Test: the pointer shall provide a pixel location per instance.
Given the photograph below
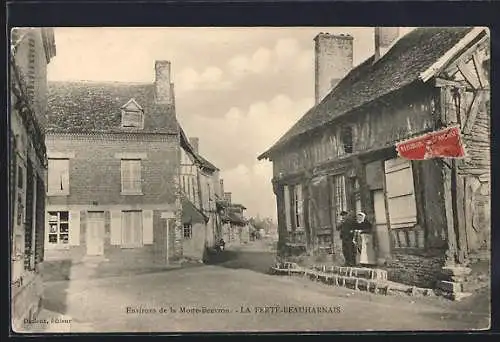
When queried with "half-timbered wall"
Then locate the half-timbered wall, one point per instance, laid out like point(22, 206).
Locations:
point(375, 127)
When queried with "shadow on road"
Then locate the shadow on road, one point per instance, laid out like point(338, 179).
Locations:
point(257, 261)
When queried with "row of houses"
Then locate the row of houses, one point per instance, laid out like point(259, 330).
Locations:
point(341, 155)
point(126, 185)
point(103, 173)
point(31, 51)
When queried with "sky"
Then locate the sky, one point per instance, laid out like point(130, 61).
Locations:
point(237, 89)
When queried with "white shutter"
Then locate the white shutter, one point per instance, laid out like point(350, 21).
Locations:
point(288, 223)
point(64, 175)
point(400, 193)
point(126, 224)
point(135, 174)
point(116, 227)
point(147, 227)
point(126, 175)
point(137, 229)
point(74, 228)
point(53, 176)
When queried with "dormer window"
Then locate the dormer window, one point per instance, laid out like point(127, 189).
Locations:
point(132, 115)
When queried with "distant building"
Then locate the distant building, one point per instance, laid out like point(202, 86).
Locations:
point(199, 181)
point(341, 154)
point(31, 51)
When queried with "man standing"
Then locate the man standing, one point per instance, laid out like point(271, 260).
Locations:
point(346, 228)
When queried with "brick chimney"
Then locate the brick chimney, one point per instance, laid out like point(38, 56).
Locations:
point(227, 197)
point(332, 61)
point(194, 143)
point(385, 37)
point(163, 86)
point(221, 189)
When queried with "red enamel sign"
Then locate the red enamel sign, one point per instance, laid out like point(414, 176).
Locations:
point(445, 143)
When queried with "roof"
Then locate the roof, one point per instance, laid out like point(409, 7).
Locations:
point(191, 214)
point(234, 218)
point(401, 66)
point(186, 145)
point(87, 106)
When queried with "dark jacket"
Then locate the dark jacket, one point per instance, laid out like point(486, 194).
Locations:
point(346, 229)
point(365, 226)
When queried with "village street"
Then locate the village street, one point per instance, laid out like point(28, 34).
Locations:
point(101, 304)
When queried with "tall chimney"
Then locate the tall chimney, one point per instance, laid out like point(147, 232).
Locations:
point(385, 37)
point(163, 87)
point(332, 61)
point(194, 143)
point(221, 182)
point(227, 197)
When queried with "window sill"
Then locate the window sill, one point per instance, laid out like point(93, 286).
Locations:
point(57, 246)
point(131, 247)
point(125, 193)
point(53, 194)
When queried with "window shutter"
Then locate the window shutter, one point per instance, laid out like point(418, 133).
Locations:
point(136, 175)
point(65, 175)
point(126, 175)
point(147, 228)
point(287, 203)
point(137, 229)
point(116, 227)
point(53, 176)
point(74, 228)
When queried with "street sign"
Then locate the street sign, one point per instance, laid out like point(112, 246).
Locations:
point(445, 143)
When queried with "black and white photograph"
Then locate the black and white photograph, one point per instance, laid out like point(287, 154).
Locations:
point(249, 179)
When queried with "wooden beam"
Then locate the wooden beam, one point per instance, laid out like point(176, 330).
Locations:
point(453, 68)
point(474, 109)
point(460, 224)
point(468, 74)
point(449, 215)
point(483, 80)
point(441, 82)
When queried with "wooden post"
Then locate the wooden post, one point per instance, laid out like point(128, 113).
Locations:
point(168, 240)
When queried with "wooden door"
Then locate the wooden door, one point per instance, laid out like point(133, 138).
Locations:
point(95, 233)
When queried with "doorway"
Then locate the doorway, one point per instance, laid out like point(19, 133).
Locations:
point(95, 233)
point(381, 226)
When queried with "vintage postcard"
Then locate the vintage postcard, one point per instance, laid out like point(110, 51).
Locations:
point(249, 179)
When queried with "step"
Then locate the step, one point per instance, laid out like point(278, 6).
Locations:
point(349, 271)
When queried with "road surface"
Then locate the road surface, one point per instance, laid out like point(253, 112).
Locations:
point(237, 295)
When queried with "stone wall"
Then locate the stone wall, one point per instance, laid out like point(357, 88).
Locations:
point(417, 270)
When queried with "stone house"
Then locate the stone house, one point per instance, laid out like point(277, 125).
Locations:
point(198, 179)
point(341, 154)
point(31, 51)
point(113, 196)
point(235, 228)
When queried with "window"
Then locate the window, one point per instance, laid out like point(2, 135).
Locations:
point(132, 118)
point(400, 193)
point(340, 194)
point(188, 231)
point(346, 137)
point(131, 176)
point(298, 207)
point(58, 177)
point(58, 233)
point(131, 229)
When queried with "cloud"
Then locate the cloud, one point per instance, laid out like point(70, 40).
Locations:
point(233, 142)
point(212, 78)
point(285, 55)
